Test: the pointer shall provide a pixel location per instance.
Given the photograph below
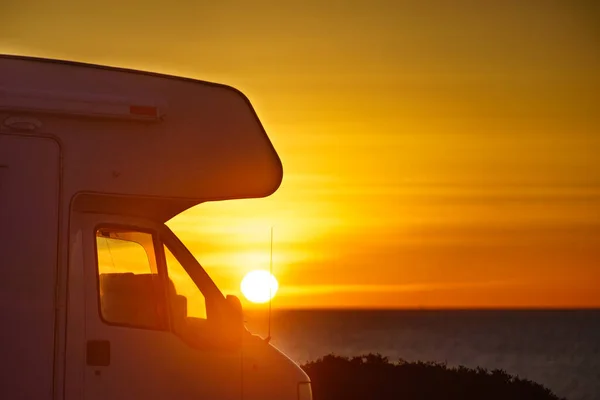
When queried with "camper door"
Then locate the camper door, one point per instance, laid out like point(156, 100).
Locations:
point(148, 334)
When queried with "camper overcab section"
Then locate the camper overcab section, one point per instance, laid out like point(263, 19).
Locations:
point(99, 299)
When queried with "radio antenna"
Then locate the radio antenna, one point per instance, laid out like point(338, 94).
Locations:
point(268, 339)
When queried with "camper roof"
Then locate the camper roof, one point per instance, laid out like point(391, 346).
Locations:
point(130, 138)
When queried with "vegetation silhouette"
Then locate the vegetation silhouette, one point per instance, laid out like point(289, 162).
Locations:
point(374, 376)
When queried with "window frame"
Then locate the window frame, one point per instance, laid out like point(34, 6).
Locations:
point(199, 276)
point(217, 307)
point(165, 320)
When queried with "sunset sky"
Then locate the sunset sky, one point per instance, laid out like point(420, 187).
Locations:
point(436, 153)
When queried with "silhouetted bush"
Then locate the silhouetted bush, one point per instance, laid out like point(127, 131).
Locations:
point(374, 377)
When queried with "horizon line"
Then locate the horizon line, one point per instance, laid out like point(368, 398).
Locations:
point(436, 308)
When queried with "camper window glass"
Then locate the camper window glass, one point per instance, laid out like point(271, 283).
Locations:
point(129, 283)
point(186, 301)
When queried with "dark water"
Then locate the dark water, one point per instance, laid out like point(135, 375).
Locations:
point(559, 349)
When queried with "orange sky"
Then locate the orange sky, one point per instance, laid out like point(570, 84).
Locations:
point(436, 154)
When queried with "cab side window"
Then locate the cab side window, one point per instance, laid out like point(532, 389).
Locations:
point(131, 289)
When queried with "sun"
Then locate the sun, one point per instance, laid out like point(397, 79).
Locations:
point(259, 286)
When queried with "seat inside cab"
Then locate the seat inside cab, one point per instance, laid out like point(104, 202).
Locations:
point(138, 300)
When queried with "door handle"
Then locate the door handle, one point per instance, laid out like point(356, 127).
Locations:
point(98, 353)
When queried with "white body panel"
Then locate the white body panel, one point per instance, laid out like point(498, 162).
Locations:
point(208, 145)
point(29, 180)
point(82, 147)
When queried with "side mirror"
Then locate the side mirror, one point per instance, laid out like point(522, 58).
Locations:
point(227, 331)
point(236, 306)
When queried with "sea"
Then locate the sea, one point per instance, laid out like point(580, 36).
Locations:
point(558, 348)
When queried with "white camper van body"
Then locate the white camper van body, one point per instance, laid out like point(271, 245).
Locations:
point(92, 155)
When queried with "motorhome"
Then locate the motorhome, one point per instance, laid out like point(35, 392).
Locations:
point(95, 298)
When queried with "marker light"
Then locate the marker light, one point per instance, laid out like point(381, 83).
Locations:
point(79, 104)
